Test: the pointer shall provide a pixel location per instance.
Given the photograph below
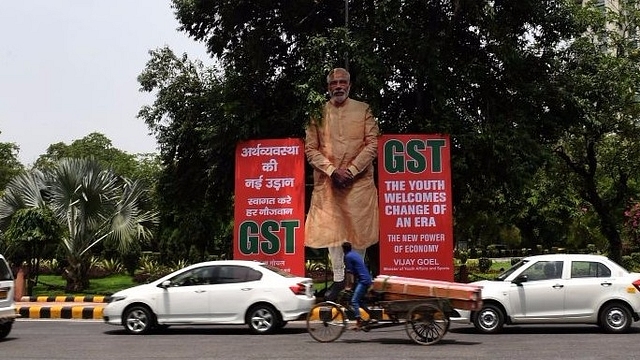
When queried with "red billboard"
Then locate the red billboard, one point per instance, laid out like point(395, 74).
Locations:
point(416, 222)
point(269, 203)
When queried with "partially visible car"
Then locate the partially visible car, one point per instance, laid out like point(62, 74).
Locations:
point(559, 289)
point(7, 304)
point(231, 292)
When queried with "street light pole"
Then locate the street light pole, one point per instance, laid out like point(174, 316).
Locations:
point(346, 25)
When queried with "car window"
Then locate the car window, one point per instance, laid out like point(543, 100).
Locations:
point(510, 270)
point(544, 270)
point(582, 269)
point(199, 276)
point(229, 274)
point(5, 272)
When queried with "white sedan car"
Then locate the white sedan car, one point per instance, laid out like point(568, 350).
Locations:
point(7, 305)
point(215, 292)
point(559, 289)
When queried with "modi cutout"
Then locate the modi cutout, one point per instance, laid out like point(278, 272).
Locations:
point(341, 146)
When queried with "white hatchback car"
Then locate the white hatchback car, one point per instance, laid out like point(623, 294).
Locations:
point(7, 305)
point(215, 292)
point(557, 289)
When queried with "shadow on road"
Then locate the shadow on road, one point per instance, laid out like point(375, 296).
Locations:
point(206, 330)
point(407, 341)
point(542, 329)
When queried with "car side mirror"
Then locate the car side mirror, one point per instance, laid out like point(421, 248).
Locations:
point(520, 279)
point(165, 284)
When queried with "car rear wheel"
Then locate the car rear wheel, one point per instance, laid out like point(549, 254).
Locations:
point(615, 318)
point(263, 319)
point(5, 329)
point(489, 320)
point(138, 320)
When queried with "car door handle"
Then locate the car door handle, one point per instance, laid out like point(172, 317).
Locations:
point(246, 289)
point(200, 291)
point(607, 284)
point(558, 286)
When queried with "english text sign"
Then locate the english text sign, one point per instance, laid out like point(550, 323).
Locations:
point(416, 222)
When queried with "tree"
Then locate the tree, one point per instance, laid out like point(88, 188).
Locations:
point(28, 225)
point(143, 167)
point(95, 204)
point(90, 203)
point(32, 234)
point(599, 77)
point(94, 145)
point(195, 144)
point(478, 70)
point(10, 166)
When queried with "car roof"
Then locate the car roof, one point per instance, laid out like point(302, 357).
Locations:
point(250, 263)
point(557, 257)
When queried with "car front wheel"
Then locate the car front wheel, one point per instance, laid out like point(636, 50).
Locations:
point(263, 319)
point(489, 320)
point(615, 318)
point(138, 320)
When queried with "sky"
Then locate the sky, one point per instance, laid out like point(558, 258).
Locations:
point(69, 68)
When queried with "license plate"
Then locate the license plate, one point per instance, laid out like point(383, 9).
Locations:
point(3, 294)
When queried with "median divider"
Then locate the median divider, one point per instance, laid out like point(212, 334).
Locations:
point(88, 307)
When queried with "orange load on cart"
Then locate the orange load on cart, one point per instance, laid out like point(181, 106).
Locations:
point(461, 296)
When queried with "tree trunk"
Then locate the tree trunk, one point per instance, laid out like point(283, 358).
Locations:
point(76, 275)
point(20, 282)
point(615, 243)
point(608, 226)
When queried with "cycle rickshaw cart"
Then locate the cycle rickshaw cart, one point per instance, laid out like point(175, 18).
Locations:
point(423, 307)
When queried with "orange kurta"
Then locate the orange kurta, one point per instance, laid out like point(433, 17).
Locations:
point(347, 137)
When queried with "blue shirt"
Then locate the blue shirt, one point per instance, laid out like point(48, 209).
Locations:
point(354, 264)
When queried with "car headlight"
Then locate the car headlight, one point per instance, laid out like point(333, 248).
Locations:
point(117, 298)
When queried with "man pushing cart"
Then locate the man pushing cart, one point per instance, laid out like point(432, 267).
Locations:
point(424, 307)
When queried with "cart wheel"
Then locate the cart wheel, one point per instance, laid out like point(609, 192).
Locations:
point(326, 322)
point(426, 324)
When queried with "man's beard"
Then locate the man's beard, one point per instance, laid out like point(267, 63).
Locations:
point(339, 96)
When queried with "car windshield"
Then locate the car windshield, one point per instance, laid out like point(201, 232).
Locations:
point(278, 270)
point(510, 270)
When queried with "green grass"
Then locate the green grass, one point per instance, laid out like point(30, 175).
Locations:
point(51, 285)
point(497, 265)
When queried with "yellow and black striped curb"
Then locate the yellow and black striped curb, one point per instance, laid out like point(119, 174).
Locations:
point(68, 298)
point(93, 311)
point(62, 307)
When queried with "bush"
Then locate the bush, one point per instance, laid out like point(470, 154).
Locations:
point(462, 256)
point(472, 265)
point(318, 270)
point(631, 262)
point(484, 264)
point(150, 270)
point(49, 267)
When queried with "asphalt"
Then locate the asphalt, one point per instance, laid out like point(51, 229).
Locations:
point(62, 307)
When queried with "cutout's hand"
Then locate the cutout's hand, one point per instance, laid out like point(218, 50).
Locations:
point(342, 178)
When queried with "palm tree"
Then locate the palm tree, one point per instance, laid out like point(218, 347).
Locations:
point(95, 204)
point(92, 204)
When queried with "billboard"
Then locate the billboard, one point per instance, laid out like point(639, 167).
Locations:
point(269, 203)
point(416, 222)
